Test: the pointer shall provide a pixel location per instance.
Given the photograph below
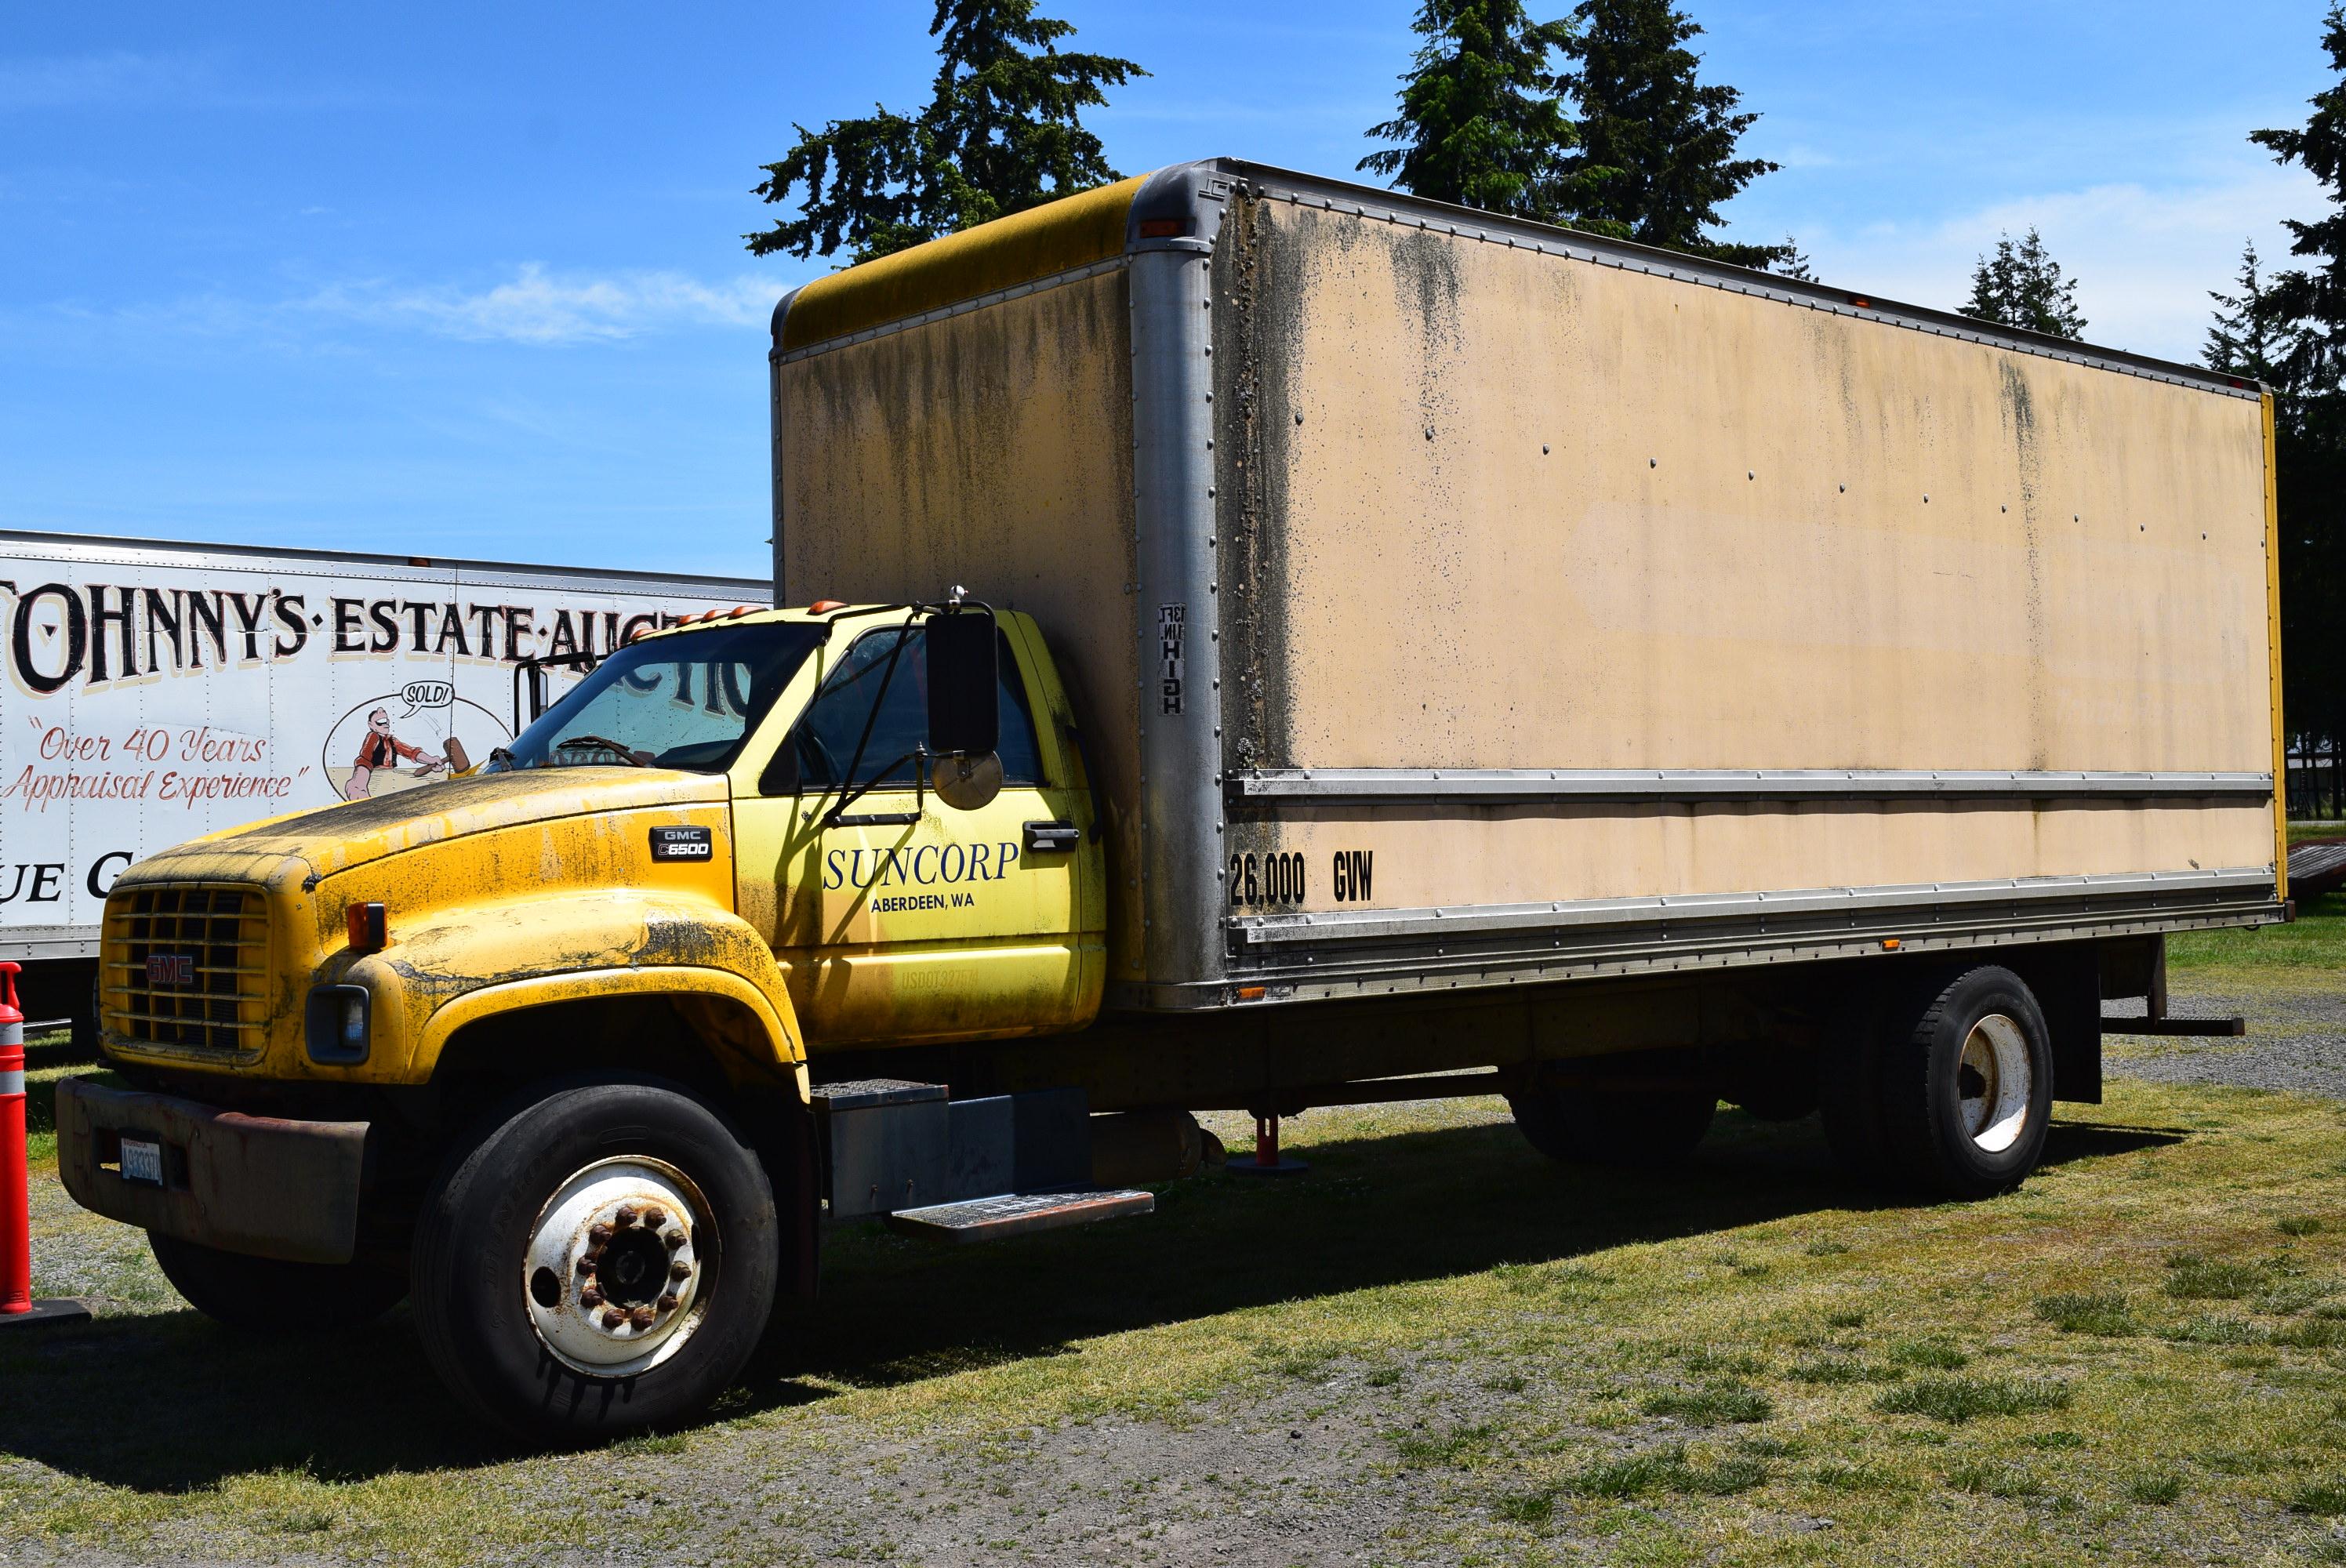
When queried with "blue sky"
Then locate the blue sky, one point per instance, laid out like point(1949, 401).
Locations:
point(467, 280)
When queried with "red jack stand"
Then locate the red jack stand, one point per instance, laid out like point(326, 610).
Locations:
point(1267, 1159)
point(16, 1303)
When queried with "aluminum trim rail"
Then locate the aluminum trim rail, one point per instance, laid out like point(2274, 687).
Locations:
point(1356, 925)
point(1399, 785)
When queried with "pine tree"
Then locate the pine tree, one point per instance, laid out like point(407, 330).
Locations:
point(2310, 307)
point(1793, 262)
point(1656, 148)
point(2316, 296)
point(1479, 118)
point(2244, 339)
point(2021, 286)
point(1002, 132)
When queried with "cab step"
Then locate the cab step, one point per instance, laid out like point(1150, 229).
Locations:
point(1017, 1213)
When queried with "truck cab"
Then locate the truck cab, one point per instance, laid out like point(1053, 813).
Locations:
point(733, 843)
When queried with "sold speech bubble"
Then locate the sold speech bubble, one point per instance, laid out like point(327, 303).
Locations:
point(420, 694)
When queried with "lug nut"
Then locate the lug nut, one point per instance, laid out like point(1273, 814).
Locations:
point(613, 1318)
point(591, 1296)
point(679, 1270)
point(642, 1317)
point(599, 1232)
point(675, 1238)
point(654, 1217)
point(625, 1217)
point(667, 1303)
point(585, 1263)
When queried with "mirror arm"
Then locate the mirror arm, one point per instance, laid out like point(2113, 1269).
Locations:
point(918, 757)
point(872, 719)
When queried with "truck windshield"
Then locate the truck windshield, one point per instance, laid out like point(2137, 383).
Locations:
point(687, 701)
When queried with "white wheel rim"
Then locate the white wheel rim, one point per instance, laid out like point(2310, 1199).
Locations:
point(1995, 1082)
point(624, 1294)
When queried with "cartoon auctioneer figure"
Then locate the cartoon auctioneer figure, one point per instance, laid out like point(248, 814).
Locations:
point(381, 748)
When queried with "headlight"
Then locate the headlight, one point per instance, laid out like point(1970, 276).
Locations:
point(335, 1024)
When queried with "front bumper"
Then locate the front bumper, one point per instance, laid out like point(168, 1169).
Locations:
point(260, 1185)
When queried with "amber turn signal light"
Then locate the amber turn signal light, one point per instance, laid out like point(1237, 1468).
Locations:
point(368, 926)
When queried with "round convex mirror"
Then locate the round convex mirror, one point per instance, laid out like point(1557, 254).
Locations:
point(964, 782)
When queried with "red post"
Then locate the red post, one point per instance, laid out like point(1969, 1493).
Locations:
point(1267, 1160)
point(15, 1200)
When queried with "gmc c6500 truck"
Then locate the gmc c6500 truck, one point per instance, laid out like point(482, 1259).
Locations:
point(1401, 652)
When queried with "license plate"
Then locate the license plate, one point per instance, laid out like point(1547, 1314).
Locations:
point(142, 1162)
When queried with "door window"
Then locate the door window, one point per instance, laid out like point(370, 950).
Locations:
point(826, 736)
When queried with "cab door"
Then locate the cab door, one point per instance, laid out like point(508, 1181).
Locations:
point(899, 919)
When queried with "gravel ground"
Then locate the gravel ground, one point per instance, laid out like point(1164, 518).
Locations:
point(1313, 1469)
point(2296, 1042)
point(1311, 1462)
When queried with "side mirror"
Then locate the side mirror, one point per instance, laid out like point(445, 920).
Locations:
point(964, 710)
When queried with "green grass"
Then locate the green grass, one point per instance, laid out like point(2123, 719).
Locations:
point(2192, 1278)
point(2310, 952)
point(1959, 1399)
point(1546, 1363)
point(1667, 1470)
point(2325, 1498)
point(1711, 1405)
point(2102, 1312)
point(41, 1103)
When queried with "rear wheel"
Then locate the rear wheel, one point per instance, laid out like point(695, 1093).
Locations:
point(1952, 1091)
point(602, 1260)
point(269, 1295)
point(1613, 1127)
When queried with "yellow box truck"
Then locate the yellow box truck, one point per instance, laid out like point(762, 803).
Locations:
point(1267, 644)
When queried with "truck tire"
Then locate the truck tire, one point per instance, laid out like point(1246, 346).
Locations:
point(601, 1258)
point(269, 1296)
point(1963, 1088)
point(1637, 1128)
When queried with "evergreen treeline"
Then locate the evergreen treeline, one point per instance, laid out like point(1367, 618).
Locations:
point(2287, 330)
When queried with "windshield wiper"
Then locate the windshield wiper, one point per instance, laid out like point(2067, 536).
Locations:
point(500, 757)
point(599, 743)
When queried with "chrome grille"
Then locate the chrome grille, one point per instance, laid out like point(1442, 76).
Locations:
point(186, 965)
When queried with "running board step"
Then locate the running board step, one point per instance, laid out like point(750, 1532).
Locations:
point(1016, 1214)
point(2173, 1025)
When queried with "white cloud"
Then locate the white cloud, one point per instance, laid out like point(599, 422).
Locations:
point(536, 306)
point(2145, 255)
point(124, 79)
point(115, 78)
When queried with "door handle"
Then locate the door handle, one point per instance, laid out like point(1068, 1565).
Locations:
point(1051, 838)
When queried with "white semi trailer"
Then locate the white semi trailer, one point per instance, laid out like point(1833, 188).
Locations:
point(158, 690)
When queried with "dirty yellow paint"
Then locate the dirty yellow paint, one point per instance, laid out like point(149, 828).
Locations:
point(531, 887)
point(944, 929)
point(992, 449)
point(1517, 511)
point(2272, 634)
point(1073, 232)
point(1446, 857)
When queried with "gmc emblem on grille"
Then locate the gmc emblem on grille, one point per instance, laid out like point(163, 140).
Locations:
point(170, 968)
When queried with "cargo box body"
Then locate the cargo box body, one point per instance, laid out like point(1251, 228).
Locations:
point(1453, 603)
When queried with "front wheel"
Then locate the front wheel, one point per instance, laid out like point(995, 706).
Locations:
point(269, 1296)
point(603, 1259)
